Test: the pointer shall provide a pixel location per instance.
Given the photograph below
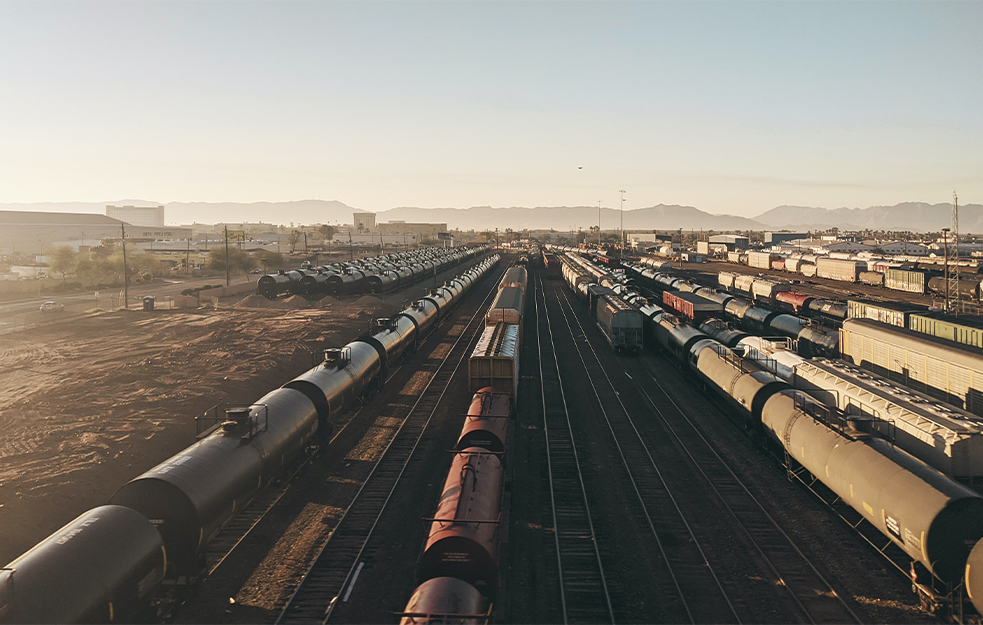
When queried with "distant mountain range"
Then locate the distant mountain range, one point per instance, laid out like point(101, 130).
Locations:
point(915, 216)
point(660, 217)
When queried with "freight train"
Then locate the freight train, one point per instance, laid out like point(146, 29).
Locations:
point(458, 568)
point(374, 275)
point(105, 565)
point(811, 339)
point(932, 518)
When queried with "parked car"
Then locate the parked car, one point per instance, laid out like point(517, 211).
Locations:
point(52, 306)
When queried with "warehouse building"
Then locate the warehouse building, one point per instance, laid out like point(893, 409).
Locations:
point(732, 241)
point(777, 238)
point(29, 231)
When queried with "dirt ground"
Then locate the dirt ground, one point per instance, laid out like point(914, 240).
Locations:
point(91, 402)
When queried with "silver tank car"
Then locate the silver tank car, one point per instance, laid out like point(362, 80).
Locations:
point(722, 332)
point(423, 313)
point(932, 518)
point(392, 337)
point(974, 576)
point(445, 600)
point(97, 569)
point(191, 494)
point(676, 337)
point(343, 376)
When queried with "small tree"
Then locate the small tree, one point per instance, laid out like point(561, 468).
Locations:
point(326, 231)
point(239, 261)
point(293, 239)
point(64, 260)
point(271, 260)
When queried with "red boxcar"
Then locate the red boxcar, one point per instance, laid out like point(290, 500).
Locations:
point(778, 265)
point(692, 306)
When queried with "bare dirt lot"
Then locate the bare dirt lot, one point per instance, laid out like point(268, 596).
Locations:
point(90, 403)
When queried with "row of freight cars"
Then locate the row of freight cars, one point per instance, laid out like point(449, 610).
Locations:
point(621, 323)
point(106, 565)
point(875, 272)
point(698, 303)
point(781, 295)
point(890, 455)
point(372, 275)
point(459, 564)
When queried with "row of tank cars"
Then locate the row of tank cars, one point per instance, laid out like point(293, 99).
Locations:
point(372, 275)
point(902, 460)
point(458, 568)
point(108, 564)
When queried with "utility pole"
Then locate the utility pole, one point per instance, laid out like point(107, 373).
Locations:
point(599, 224)
point(622, 192)
point(126, 274)
point(187, 258)
point(351, 250)
point(37, 266)
point(226, 256)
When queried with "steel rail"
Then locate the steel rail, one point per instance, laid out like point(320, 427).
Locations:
point(336, 566)
point(797, 573)
point(582, 580)
point(658, 499)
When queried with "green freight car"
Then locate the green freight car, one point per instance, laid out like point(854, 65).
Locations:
point(964, 330)
point(908, 280)
point(884, 312)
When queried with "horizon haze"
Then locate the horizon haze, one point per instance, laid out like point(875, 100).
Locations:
point(736, 107)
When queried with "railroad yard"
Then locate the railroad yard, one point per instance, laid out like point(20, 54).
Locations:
point(625, 488)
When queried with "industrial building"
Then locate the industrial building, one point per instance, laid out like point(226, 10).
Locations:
point(425, 231)
point(777, 238)
point(732, 241)
point(364, 222)
point(31, 232)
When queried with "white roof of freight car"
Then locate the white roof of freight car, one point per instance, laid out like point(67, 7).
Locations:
point(498, 340)
point(909, 409)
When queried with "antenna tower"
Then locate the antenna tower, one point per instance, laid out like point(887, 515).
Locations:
point(952, 262)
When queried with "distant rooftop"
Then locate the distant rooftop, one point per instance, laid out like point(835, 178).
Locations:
point(29, 218)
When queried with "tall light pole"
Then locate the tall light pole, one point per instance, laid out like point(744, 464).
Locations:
point(945, 247)
point(622, 192)
point(599, 224)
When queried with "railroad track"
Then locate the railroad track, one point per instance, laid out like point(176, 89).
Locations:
point(584, 595)
point(815, 597)
point(698, 592)
point(339, 562)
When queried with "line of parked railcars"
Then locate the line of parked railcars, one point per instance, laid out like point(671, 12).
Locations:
point(621, 322)
point(105, 565)
point(811, 339)
point(457, 572)
point(902, 274)
point(934, 519)
point(374, 275)
point(552, 264)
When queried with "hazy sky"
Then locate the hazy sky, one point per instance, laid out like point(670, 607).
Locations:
point(732, 107)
